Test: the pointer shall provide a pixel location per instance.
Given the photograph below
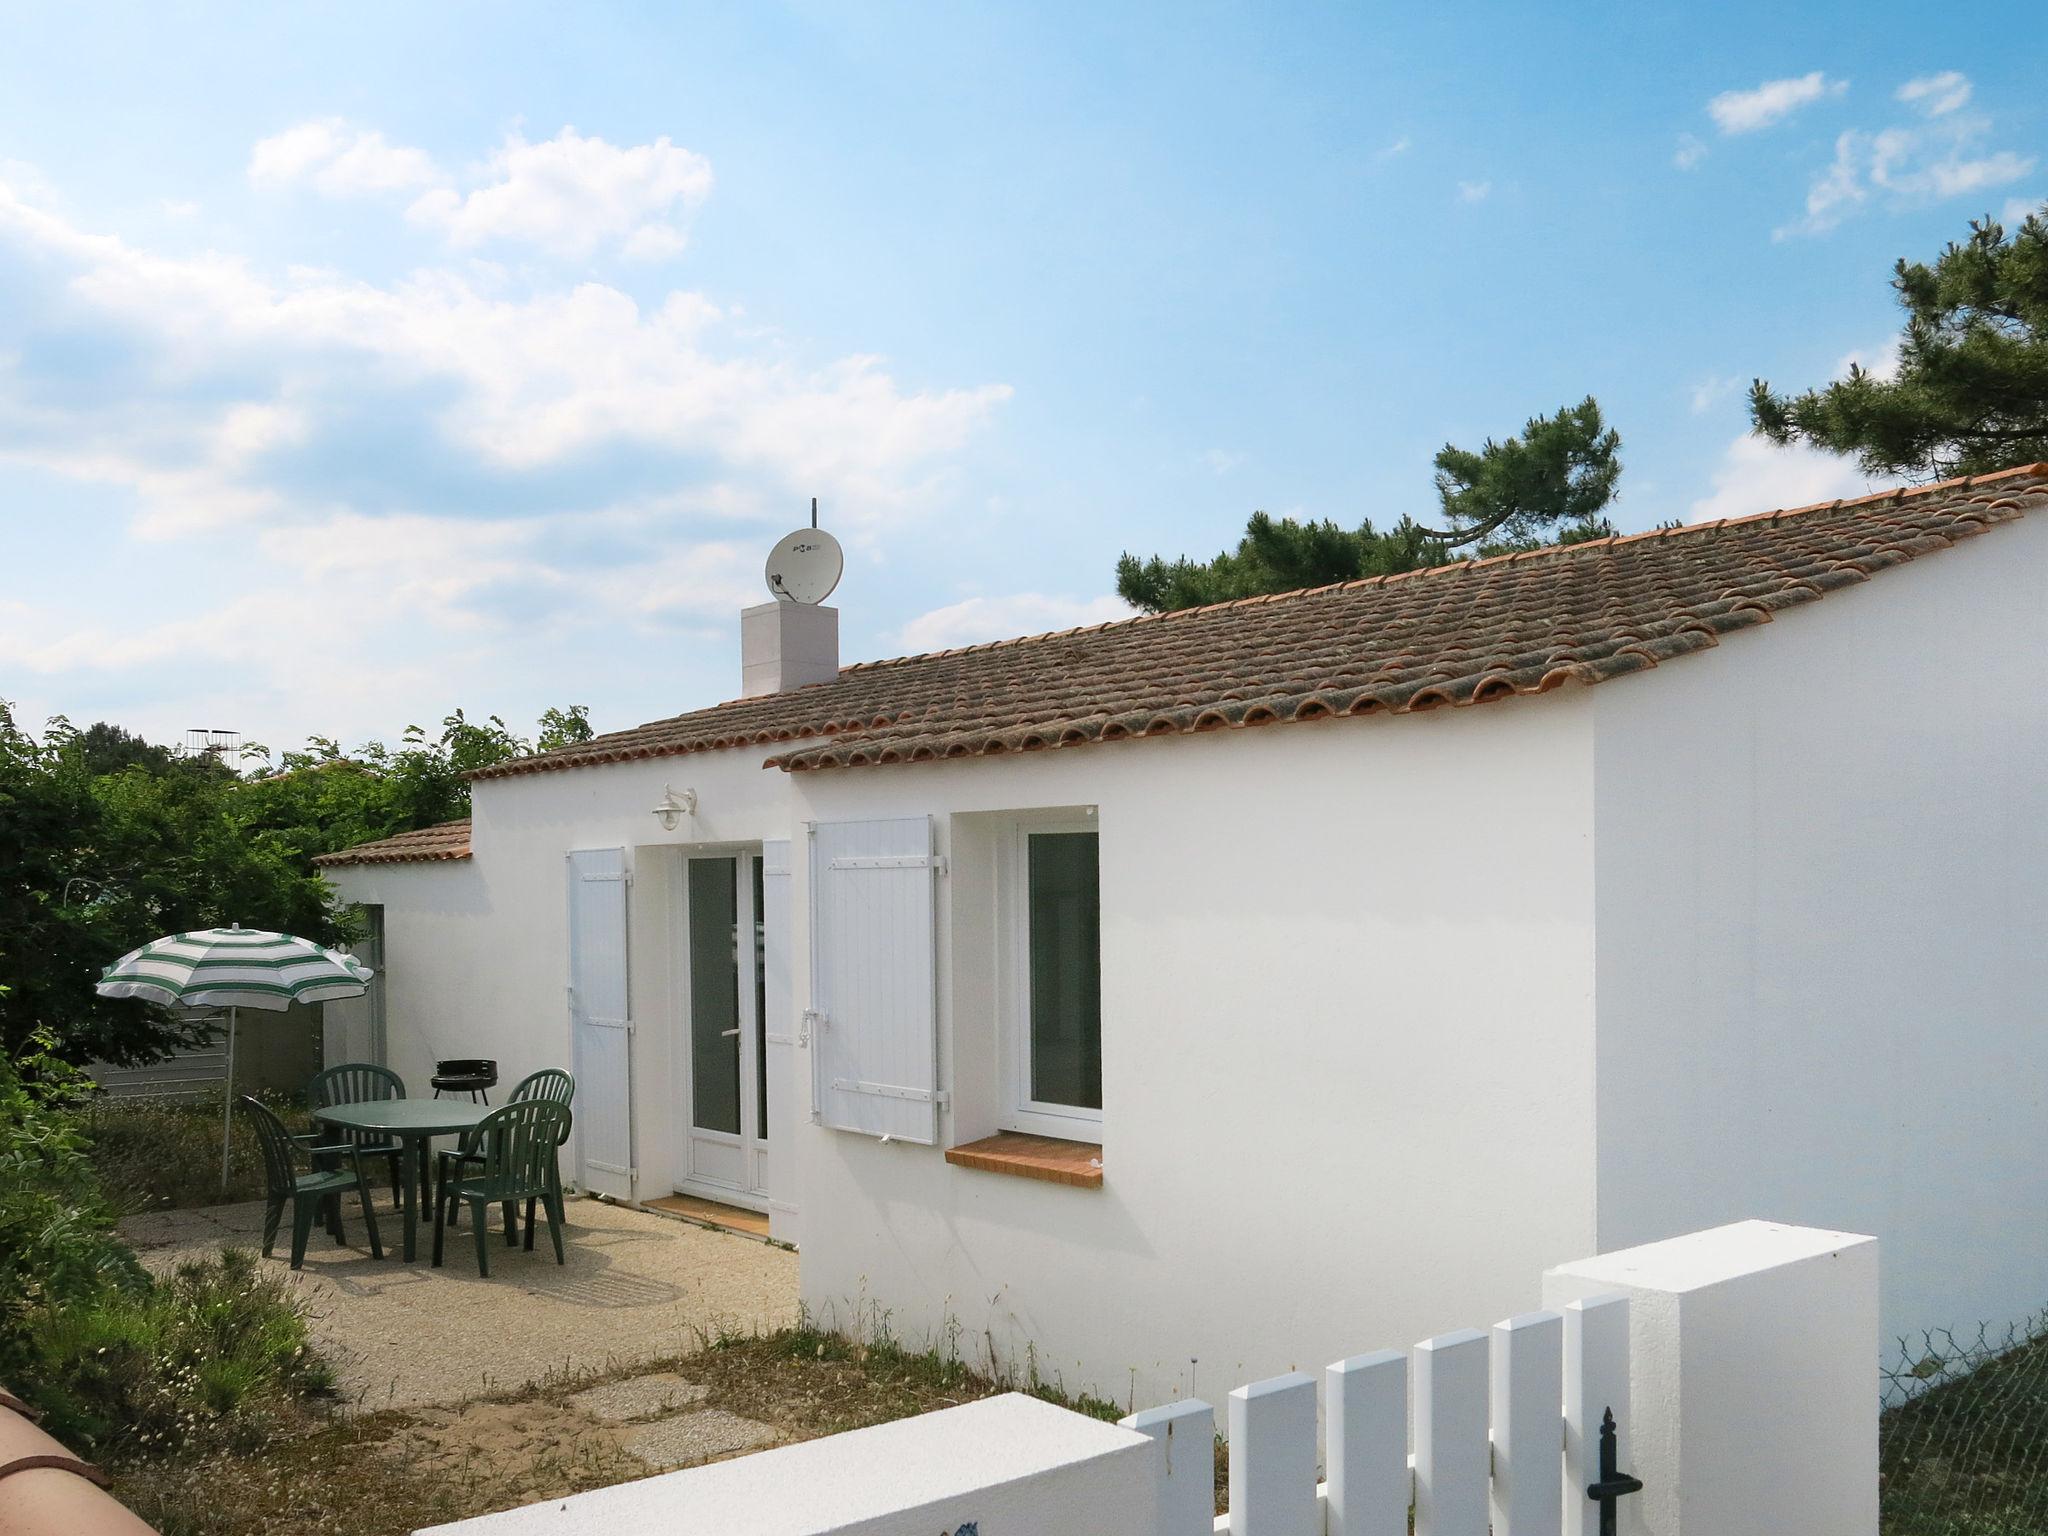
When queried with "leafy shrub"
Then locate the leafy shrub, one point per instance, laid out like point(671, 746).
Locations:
point(125, 1365)
point(209, 1358)
point(57, 1243)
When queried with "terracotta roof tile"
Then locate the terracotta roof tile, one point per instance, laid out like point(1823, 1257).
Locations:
point(449, 840)
point(1451, 636)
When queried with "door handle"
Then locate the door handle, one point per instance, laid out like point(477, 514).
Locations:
point(727, 1034)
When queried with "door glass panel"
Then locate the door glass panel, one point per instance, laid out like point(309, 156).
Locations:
point(714, 995)
point(760, 1008)
point(1066, 970)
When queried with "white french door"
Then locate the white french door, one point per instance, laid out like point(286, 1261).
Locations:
point(724, 1079)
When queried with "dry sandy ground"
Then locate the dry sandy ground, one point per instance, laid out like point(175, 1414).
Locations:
point(636, 1287)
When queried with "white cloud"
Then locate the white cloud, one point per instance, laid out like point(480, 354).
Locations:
point(177, 208)
point(419, 491)
point(1936, 95)
point(1474, 191)
point(1001, 618)
point(1755, 475)
point(1400, 146)
point(1921, 164)
point(1692, 149)
point(1219, 461)
point(1835, 191)
point(1711, 391)
point(569, 194)
point(338, 160)
point(1881, 361)
point(1770, 103)
point(2017, 209)
point(527, 380)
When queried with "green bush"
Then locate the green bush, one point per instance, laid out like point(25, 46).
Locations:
point(122, 1364)
point(57, 1242)
point(206, 1359)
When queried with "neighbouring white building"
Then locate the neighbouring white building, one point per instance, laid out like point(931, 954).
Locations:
point(1033, 993)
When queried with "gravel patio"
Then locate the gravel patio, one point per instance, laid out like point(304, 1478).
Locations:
point(637, 1287)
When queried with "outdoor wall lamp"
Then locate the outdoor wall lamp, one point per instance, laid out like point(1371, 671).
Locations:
point(674, 807)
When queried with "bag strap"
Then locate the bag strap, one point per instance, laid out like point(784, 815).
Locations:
point(10, 1401)
point(84, 1469)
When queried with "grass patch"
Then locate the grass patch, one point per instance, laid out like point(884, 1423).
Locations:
point(812, 1381)
point(215, 1355)
point(386, 1474)
point(164, 1154)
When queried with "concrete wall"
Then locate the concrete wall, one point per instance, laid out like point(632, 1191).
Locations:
point(1346, 974)
point(1003, 1466)
point(1822, 895)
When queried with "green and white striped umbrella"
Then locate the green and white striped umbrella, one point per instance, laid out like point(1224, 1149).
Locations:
point(233, 968)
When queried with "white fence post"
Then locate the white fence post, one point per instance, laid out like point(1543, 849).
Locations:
point(1595, 1380)
point(1752, 1407)
point(1184, 1465)
point(1273, 1457)
point(1366, 1401)
point(1528, 1413)
point(1450, 1435)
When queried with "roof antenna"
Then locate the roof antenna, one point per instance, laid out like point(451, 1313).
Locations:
point(814, 511)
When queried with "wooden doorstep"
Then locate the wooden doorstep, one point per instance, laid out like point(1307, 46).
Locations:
point(1078, 1163)
point(712, 1213)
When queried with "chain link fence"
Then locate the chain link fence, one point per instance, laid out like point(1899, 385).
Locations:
point(1963, 1439)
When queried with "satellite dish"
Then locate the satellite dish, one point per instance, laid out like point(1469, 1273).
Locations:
point(805, 566)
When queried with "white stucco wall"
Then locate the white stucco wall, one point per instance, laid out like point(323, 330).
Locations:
point(1822, 895)
point(1346, 974)
point(477, 950)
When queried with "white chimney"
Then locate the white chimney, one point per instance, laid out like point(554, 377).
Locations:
point(786, 645)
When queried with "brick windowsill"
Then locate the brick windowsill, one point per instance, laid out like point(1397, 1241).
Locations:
point(1078, 1163)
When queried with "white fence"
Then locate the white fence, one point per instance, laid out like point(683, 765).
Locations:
point(1506, 1434)
point(1740, 1357)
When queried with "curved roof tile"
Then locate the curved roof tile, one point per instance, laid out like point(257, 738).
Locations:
point(1455, 635)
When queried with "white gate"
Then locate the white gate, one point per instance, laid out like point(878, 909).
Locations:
point(1507, 1437)
point(600, 1021)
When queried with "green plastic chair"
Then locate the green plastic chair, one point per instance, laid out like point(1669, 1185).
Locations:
point(360, 1082)
point(306, 1192)
point(553, 1086)
point(517, 1142)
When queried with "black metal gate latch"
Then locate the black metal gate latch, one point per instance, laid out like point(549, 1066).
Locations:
point(1613, 1483)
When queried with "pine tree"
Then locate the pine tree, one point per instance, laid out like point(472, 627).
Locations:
point(1549, 485)
point(1971, 390)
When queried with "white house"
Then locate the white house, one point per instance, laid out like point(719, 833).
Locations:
point(1083, 1018)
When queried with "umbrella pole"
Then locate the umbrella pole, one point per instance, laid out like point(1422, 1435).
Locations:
point(227, 1106)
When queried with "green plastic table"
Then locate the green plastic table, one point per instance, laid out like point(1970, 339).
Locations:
point(414, 1123)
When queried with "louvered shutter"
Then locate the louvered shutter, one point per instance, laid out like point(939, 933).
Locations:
point(779, 1027)
point(600, 1022)
point(874, 1050)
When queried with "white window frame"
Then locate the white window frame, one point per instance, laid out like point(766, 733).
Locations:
point(1020, 1112)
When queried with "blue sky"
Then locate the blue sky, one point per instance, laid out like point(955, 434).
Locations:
point(361, 362)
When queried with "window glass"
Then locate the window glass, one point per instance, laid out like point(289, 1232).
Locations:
point(1065, 918)
point(714, 995)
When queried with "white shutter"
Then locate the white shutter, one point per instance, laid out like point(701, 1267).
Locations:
point(874, 1051)
point(600, 1021)
point(780, 1026)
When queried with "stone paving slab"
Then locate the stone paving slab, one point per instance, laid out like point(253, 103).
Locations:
point(636, 1287)
point(694, 1437)
point(639, 1397)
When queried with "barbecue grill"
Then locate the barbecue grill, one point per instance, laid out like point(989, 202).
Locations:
point(471, 1075)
